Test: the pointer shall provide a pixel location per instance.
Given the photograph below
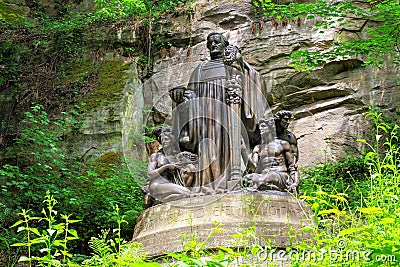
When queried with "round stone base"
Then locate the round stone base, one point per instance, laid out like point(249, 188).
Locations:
point(272, 216)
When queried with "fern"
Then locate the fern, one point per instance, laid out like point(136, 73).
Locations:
point(100, 246)
point(105, 253)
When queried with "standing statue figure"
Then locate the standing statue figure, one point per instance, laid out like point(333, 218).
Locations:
point(274, 162)
point(224, 99)
point(282, 119)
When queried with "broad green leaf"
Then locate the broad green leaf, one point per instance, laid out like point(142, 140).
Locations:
point(19, 245)
point(38, 240)
point(73, 232)
point(371, 210)
point(329, 211)
point(24, 258)
point(387, 220)
point(17, 223)
point(36, 231)
point(74, 221)
point(350, 231)
point(338, 198)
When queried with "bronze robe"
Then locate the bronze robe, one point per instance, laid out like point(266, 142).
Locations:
point(208, 121)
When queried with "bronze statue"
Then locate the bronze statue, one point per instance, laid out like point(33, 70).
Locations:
point(282, 119)
point(274, 162)
point(216, 122)
point(224, 99)
point(165, 179)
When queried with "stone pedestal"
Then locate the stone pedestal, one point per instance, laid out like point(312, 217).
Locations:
point(161, 228)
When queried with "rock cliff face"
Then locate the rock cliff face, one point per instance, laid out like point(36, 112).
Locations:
point(327, 104)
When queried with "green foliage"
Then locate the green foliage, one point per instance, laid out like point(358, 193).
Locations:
point(39, 55)
point(378, 41)
point(8, 254)
point(120, 8)
point(370, 229)
point(50, 241)
point(384, 165)
point(106, 11)
point(111, 82)
point(11, 13)
point(349, 176)
point(10, 57)
point(340, 233)
point(89, 190)
point(116, 252)
point(195, 253)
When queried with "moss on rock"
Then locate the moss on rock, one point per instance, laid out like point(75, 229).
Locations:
point(12, 13)
point(107, 162)
point(109, 158)
point(111, 81)
point(101, 83)
point(82, 69)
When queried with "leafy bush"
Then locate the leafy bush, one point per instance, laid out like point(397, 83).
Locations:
point(349, 176)
point(90, 190)
point(52, 241)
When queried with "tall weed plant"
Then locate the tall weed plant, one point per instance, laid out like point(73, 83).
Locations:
point(367, 235)
point(47, 241)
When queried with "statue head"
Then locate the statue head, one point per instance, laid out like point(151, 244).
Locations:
point(267, 129)
point(216, 43)
point(282, 119)
point(164, 136)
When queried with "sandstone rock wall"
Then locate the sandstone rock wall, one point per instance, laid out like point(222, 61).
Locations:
point(328, 103)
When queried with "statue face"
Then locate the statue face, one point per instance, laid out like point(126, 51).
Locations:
point(216, 45)
point(166, 140)
point(263, 126)
point(266, 126)
point(284, 121)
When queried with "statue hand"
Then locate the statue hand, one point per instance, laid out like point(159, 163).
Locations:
point(170, 166)
point(184, 140)
point(189, 94)
point(243, 145)
point(177, 94)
